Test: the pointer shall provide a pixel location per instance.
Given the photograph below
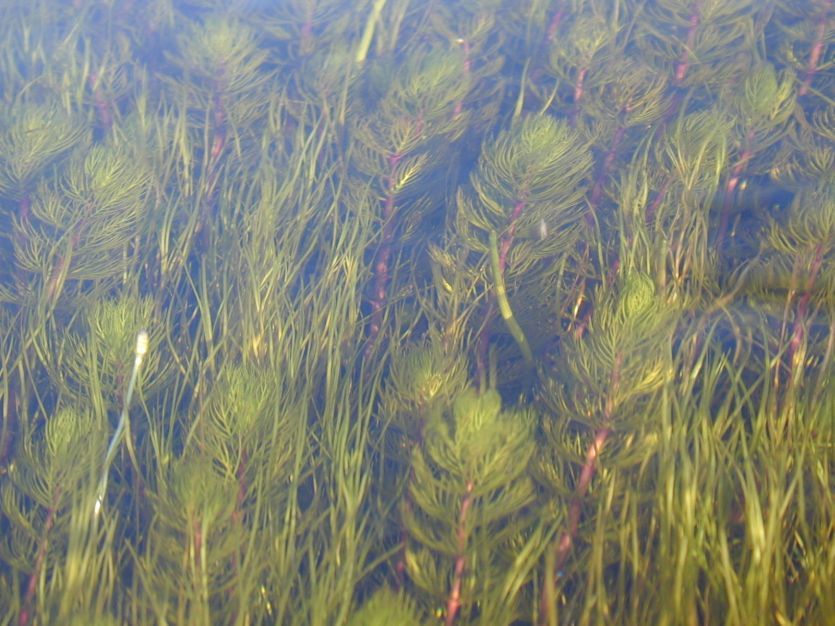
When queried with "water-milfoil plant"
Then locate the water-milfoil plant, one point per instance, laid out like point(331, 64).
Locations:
point(601, 387)
point(319, 216)
point(42, 504)
point(397, 148)
point(468, 507)
point(529, 179)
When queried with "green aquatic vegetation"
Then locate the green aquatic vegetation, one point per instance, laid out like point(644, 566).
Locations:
point(422, 379)
point(529, 178)
point(398, 147)
point(82, 229)
point(91, 360)
point(531, 173)
point(457, 312)
point(761, 110)
point(221, 54)
point(587, 46)
point(793, 280)
point(608, 377)
point(386, 607)
point(703, 34)
point(191, 547)
point(466, 509)
point(44, 494)
point(802, 50)
point(690, 159)
point(32, 137)
point(807, 155)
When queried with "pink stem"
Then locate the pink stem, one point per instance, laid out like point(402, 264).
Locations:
point(736, 174)
point(507, 237)
point(103, 106)
point(454, 600)
point(383, 256)
point(798, 332)
point(564, 545)
point(566, 541)
point(554, 24)
point(816, 51)
point(684, 60)
point(608, 162)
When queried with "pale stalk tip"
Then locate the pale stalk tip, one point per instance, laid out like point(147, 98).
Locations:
point(142, 343)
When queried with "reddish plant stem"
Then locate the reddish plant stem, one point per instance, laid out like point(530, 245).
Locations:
point(506, 241)
point(579, 90)
point(556, 21)
point(816, 50)
point(462, 536)
point(197, 540)
point(566, 541)
point(307, 40)
point(29, 597)
point(798, 328)
point(581, 320)
point(652, 209)
point(563, 546)
point(730, 187)
point(24, 206)
point(605, 168)
point(219, 140)
point(684, 60)
point(383, 256)
point(104, 108)
point(212, 173)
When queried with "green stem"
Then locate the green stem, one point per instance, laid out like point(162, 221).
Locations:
point(504, 304)
point(119, 434)
point(368, 33)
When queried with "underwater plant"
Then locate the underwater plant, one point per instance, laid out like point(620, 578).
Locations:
point(459, 312)
point(467, 513)
point(530, 177)
point(398, 147)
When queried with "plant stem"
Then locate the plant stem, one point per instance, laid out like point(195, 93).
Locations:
point(368, 33)
point(383, 257)
point(27, 612)
point(816, 51)
point(730, 187)
point(454, 600)
point(504, 304)
point(684, 60)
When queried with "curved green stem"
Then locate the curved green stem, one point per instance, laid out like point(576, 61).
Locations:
point(504, 304)
point(119, 434)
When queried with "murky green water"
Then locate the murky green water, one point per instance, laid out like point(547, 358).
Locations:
point(399, 312)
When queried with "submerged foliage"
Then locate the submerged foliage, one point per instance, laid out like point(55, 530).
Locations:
point(448, 312)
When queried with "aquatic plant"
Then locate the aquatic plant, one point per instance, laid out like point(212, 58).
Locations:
point(529, 179)
point(457, 312)
point(467, 513)
point(398, 146)
point(44, 496)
